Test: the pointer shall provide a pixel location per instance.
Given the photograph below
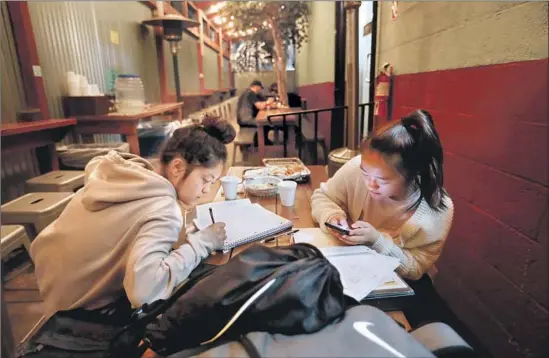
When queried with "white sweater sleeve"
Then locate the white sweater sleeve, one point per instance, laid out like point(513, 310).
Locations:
point(332, 197)
point(431, 234)
point(153, 269)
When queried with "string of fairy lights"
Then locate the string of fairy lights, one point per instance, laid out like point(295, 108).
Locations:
point(228, 22)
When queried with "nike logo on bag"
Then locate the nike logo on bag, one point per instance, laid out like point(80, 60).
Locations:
point(362, 328)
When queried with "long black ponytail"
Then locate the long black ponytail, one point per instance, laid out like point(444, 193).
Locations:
point(415, 139)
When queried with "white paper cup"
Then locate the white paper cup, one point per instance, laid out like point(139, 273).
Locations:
point(229, 184)
point(286, 191)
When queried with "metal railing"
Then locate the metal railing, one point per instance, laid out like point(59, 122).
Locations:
point(299, 133)
point(315, 112)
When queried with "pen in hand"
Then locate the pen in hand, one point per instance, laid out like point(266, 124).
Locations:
point(213, 221)
point(212, 215)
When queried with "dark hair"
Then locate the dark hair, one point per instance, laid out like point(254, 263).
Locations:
point(256, 83)
point(201, 144)
point(416, 142)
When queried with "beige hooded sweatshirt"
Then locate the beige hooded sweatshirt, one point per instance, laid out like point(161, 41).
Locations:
point(116, 234)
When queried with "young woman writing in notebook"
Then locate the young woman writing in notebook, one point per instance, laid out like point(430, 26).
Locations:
point(113, 242)
point(391, 197)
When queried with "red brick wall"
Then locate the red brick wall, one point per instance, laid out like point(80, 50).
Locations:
point(320, 95)
point(494, 271)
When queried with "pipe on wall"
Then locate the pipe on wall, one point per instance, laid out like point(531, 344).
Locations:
point(338, 118)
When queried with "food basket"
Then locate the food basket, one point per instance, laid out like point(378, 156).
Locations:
point(262, 186)
point(288, 169)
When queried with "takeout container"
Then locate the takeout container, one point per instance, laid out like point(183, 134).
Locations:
point(288, 169)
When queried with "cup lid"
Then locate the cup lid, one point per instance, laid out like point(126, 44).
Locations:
point(287, 184)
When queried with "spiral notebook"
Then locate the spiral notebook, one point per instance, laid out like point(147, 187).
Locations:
point(245, 222)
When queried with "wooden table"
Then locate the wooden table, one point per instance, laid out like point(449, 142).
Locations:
point(125, 124)
point(300, 214)
point(40, 136)
point(271, 117)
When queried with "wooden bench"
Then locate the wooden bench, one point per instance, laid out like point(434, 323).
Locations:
point(244, 138)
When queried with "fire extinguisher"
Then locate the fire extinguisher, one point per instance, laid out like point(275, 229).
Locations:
point(382, 93)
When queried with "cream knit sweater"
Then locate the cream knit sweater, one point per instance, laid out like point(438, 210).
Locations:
point(421, 238)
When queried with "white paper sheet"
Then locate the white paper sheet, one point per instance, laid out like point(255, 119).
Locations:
point(361, 269)
point(303, 237)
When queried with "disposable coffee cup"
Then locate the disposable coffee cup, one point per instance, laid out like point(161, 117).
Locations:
point(229, 184)
point(286, 191)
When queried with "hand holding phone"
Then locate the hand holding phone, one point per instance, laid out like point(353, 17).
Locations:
point(337, 224)
point(339, 229)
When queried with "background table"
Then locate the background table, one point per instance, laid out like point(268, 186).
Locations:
point(271, 117)
point(125, 124)
point(39, 135)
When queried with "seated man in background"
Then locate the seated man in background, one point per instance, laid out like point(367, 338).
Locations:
point(250, 102)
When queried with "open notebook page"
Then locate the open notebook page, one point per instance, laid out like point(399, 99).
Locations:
point(222, 211)
point(245, 222)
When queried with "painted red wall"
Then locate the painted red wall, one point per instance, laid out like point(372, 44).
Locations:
point(320, 95)
point(494, 271)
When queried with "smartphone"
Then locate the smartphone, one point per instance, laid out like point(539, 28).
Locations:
point(339, 229)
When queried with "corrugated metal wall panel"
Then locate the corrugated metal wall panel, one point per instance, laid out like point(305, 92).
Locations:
point(16, 169)
point(76, 36)
point(136, 52)
point(226, 74)
point(20, 167)
point(188, 65)
point(13, 95)
point(62, 36)
point(210, 69)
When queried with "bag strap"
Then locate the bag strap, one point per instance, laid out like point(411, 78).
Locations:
point(141, 317)
point(249, 347)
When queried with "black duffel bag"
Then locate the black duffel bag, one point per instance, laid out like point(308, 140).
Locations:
point(290, 290)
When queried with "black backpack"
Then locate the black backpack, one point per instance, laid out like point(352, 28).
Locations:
point(290, 290)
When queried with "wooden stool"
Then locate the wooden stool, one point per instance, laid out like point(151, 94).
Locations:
point(57, 181)
point(35, 210)
point(13, 236)
point(244, 138)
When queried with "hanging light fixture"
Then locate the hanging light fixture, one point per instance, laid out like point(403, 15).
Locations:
point(173, 26)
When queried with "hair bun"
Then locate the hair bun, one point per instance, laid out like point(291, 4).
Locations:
point(219, 128)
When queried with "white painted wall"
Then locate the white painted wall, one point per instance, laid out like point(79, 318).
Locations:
point(430, 36)
point(315, 60)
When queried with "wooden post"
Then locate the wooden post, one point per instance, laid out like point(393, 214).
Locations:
point(220, 60)
point(27, 54)
point(231, 74)
point(160, 58)
point(200, 47)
